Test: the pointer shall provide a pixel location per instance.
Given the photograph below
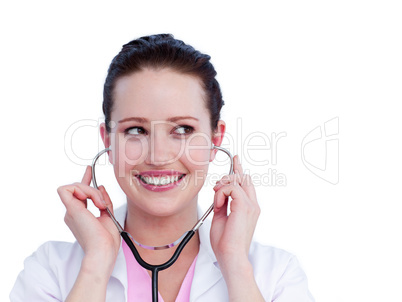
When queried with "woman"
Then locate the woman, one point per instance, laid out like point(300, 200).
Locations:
point(162, 116)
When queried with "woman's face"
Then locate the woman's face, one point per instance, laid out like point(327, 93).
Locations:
point(161, 140)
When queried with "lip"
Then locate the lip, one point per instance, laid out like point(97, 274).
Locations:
point(160, 173)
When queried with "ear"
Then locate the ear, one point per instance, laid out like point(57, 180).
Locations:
point(106, 139)
point(217, 138)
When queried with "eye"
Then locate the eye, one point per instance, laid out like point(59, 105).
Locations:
point(135, 131)
point(183, 130)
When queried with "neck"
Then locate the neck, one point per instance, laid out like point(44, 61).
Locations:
point(155, 230)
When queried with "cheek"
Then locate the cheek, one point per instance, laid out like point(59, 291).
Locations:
point(198, 150)
point(197, 161)
point(198, 164)
point(197, 158)
point(129, 152)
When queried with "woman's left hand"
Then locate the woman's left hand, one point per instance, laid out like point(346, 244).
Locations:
point(231, 234)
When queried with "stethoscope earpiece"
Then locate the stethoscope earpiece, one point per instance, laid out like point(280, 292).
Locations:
point(227, 153)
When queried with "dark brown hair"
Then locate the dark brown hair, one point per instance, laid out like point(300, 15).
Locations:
point(163, 51)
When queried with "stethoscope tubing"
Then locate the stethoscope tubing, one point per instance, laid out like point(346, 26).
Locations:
point(155, 269)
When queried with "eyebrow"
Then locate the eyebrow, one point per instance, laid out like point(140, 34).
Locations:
point(144, 120)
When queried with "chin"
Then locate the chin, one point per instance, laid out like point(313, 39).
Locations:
point(163, 204)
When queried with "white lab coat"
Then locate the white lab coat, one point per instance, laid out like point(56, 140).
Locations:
point(51, 271)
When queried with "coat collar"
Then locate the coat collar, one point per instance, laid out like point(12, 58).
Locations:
point(206, 274)
point(120, 268)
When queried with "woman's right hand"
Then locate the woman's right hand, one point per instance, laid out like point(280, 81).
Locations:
point(97, 236)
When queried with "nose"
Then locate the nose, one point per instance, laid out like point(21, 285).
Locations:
point(163, 150)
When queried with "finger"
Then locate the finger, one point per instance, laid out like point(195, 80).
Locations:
point(106, 198)
point(221, 196)
point(220, 205)
point(86, 179)
point(244, 181)
point(227, 179)
point(237, 168)
point(94, 194)
point(69, 195)
point(221, 212)
point(72, 196)
point(248, 187)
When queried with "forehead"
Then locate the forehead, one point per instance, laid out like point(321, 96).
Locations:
point(158, 95)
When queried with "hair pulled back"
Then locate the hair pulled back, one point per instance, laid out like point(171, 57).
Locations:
point(163, 51)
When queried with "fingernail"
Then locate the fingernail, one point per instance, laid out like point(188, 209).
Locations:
point(104, 203)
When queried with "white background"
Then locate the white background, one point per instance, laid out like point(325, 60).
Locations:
point(284, 67)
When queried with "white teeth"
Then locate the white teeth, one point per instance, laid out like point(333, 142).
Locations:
point(163, 181)
point(160, 181)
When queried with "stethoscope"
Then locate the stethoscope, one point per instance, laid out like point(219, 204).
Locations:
point(181, 242)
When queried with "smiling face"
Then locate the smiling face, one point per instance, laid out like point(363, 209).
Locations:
point(161, 140)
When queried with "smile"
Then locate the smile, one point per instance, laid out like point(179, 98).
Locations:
point(159, 181)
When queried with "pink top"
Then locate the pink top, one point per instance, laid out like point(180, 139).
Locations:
point(139, 282)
